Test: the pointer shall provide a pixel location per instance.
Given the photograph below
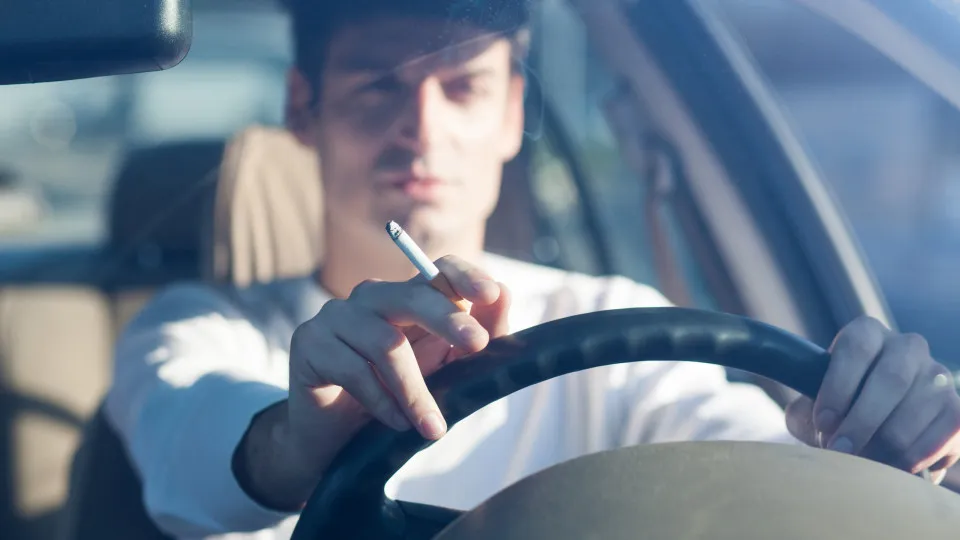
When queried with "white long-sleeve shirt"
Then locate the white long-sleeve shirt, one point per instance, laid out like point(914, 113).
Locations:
point(198, 363)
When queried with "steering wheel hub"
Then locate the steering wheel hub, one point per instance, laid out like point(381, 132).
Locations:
point(714, 490)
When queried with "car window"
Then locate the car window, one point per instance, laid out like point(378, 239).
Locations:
point(62, 143)
point(887, 146)
point(576, 82)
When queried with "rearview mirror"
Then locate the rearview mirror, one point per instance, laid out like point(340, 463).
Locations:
point(53, 40)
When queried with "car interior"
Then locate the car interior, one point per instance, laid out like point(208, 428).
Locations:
point(239, 211)
point(246, 208)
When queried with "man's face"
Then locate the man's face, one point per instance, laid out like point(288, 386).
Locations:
point(416, 119)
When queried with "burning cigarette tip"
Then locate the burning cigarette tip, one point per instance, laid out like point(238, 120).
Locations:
point(394, 230)
point(412, 251)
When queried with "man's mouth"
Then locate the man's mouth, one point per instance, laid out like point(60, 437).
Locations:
point(423, 188)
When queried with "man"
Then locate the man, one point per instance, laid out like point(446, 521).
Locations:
point(233, 404)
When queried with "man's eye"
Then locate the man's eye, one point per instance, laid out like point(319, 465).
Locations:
point(464, 88)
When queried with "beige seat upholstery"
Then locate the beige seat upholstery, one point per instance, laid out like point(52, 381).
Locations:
point(56, 334)
point(267, 216)
point(54, 352)
point(263, 223)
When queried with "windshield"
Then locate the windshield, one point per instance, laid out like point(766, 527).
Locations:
point(886, 143)
point(61, 143)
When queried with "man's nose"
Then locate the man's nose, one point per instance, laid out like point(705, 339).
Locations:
point(421, 118)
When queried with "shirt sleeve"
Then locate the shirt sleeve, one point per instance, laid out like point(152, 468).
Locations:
point(190, 373)
point(684, 401)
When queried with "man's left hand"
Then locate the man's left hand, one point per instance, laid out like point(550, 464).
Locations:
point(885, 398)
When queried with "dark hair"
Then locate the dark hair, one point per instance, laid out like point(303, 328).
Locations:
point(314, 21)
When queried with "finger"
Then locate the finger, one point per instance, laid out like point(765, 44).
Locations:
point(915, 413)
point(938, 476)
point(852, 355)
point(886, 386)
point(325, 360)
point(417, 303)
point(493, 317)
point(442, 284)
point(938, 444)
point(468, 281)
point(385, 346)
point(946, 462)
point(800, 421)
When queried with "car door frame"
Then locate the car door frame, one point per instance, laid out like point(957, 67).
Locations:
point(748, 170)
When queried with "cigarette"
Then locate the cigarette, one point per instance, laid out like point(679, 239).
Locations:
point(412, 251)
point(424, 264)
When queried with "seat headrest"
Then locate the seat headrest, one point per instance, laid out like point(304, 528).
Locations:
point(267, 216)
point(159, 199)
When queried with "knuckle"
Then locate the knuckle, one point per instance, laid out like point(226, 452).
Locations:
point(367, 288)
point(914, 344)
point(895, 376)
point(863, 336)
point(867, 324)
point(450, 261)
point(330, 308)
point(863, 346)
point(898, 439)
point(302, 336)
point(895, 373)
point(388, 339)
point(412, 294)
point(352, 380)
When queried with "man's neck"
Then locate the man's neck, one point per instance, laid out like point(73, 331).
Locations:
point(353, 255)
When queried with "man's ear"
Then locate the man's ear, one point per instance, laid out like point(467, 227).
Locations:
point(298, 112)
point(513, 124)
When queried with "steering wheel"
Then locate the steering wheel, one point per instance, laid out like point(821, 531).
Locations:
point(677, 490)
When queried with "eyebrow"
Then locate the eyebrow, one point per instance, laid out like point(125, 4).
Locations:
point(379, 66)
point(479, 71)
point(365, 63)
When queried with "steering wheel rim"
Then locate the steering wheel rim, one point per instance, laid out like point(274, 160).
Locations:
point(351, 492)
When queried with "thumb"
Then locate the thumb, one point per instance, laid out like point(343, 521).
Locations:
point(800, 421)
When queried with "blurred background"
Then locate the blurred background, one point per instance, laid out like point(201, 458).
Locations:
point(888, 146)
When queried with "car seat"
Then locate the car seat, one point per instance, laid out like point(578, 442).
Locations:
point(266, 197)
point(58, 318)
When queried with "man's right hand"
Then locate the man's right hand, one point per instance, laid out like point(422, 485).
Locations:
point(367, 356)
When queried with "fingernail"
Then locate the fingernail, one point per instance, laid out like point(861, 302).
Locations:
point(842, 444)
point(432, 425)
point(827, 421)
